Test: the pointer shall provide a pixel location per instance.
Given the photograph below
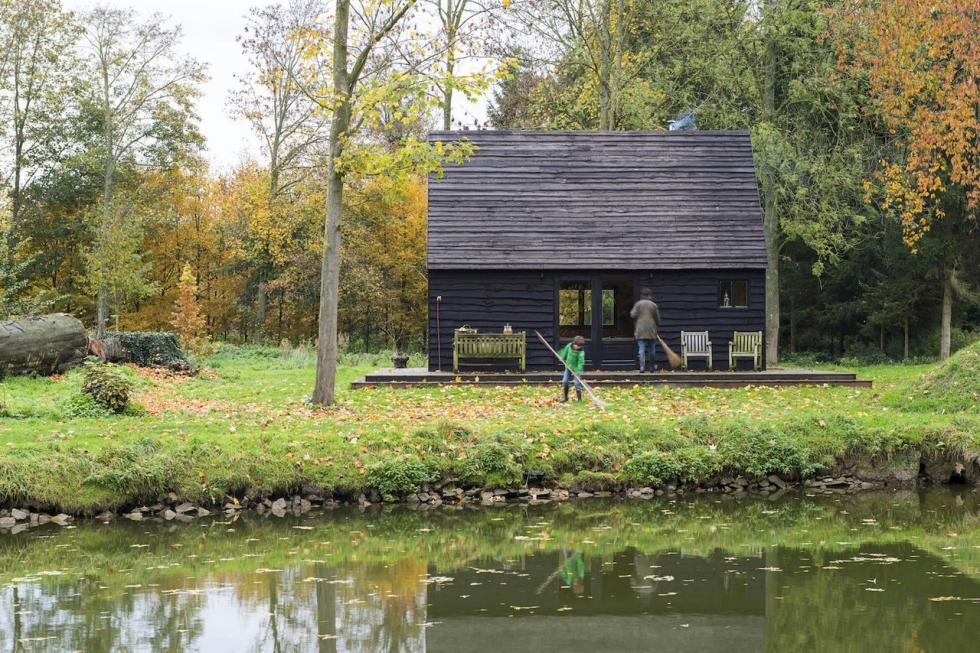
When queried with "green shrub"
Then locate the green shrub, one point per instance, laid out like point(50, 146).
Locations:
point(107, 385)
point(82, 405)
point(696, 463)
point(392, 476)
point(150, 349)
point(495, 462)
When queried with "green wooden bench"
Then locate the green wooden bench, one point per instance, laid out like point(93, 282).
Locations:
point(745, 344)
point(470, 345)
point(696, 344)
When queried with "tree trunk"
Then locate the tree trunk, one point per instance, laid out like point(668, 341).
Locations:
point(771, 228)
point(906, 338)
point(947, 317)
point(326, 349)
point(260, 312)
point(46, 344)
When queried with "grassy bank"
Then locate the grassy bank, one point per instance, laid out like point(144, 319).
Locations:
point(243, 428)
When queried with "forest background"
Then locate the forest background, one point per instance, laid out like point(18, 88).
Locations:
point(864, 116)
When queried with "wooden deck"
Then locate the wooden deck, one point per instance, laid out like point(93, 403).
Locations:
point(772, 377)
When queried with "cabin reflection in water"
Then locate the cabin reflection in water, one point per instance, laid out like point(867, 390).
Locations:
point(632, 602)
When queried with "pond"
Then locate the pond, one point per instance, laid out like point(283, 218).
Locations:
point(877, 571)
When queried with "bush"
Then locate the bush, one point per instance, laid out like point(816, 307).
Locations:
point(151, 348)
point(696, 463)
point(107, 385)
point(82, 405)
point(391, 476)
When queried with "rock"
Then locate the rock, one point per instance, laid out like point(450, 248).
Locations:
point(61, 519)
point(279, 504)
point(778, 482)
point(135, 515)
point(169, 514)
point(19, 528)
point(423, 496)
point(203, 512)
point(184, 507)
point(7, 522)
point(585, 495)
point(34, 518)
point(19, 515)
point(279, 512)
point(486, 496)
point(231, 506)
point(43, 518)
point(412, 498)
point(105, 516)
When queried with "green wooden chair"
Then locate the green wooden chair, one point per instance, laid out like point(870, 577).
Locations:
point(745, 344)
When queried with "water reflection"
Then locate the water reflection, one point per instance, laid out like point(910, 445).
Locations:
point(894, 571)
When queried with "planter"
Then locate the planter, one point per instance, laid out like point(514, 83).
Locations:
point(400, 360)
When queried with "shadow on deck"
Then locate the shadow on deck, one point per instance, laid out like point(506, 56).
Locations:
point(402, 378)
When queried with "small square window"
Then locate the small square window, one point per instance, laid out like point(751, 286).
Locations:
point(733, 294)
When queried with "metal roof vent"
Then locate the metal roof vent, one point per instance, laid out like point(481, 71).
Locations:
point(683, 122)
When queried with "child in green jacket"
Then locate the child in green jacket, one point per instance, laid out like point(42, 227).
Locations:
point(574, 356)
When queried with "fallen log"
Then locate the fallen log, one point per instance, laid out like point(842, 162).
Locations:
point(46, 344)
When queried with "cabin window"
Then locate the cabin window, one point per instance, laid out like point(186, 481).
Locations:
point(733, 294)
point(575, 309)
point(617, 300)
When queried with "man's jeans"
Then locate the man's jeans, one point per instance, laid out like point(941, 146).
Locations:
point(647, 353)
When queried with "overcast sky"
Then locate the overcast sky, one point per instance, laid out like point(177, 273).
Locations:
point(210, 28)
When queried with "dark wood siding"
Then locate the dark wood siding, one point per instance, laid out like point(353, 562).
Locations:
point(586, 200)
point(688, 301)
point(487, 301)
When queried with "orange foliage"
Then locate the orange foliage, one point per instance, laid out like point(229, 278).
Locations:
point(922, 59)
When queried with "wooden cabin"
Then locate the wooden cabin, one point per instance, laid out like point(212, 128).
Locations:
point(559, 231)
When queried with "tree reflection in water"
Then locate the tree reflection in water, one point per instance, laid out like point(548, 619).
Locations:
point(886, 571)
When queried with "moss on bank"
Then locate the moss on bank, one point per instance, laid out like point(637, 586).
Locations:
point(244, 430)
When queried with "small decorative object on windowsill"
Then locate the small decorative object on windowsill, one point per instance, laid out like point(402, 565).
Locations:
point(508, 329)
point(400, 360)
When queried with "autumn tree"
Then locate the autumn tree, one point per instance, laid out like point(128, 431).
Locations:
point(140, 92)
point(922, 60)
point(363, 84)
point(288, 123)
point(187, 320)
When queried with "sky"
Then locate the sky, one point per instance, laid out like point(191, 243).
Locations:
point(210, 28)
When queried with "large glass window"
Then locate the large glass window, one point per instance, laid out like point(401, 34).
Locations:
point(733, 294)
point(575, 309)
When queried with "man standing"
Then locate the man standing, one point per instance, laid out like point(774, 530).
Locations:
point(646, 319)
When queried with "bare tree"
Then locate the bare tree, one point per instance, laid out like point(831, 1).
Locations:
point(141, 91)
point(289, 124)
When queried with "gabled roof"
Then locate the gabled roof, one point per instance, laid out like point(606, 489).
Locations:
point(597, 200)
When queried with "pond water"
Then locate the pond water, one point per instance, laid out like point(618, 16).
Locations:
point(882, 571)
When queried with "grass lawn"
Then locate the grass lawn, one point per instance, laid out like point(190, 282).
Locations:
point(244, 427)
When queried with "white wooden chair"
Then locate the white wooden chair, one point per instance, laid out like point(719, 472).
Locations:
point(696, 344)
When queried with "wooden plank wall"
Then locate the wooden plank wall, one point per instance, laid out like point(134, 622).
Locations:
point(688, 301)
point(487, 301)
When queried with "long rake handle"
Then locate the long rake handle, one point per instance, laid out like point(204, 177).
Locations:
point(565, 363)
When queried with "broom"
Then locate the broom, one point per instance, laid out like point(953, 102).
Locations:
point(598, 402)
point(672, 358)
